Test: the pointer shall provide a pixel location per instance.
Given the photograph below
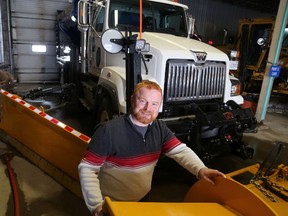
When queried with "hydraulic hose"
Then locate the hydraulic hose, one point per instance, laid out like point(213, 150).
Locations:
point(6, 159)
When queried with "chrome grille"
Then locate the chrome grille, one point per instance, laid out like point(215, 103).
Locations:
point(186, 81)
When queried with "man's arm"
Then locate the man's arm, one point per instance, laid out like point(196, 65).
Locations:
point(90, 185)
point(188, 159)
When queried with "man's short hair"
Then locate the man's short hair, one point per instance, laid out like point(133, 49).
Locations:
point(147, 84)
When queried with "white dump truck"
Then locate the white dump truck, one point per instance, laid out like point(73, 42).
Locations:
point(117, 39)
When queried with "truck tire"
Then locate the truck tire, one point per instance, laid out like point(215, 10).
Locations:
point(105, 110)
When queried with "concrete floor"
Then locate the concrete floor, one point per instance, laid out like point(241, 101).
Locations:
point(39, 194)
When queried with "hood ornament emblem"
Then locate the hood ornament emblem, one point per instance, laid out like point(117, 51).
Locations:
point(200, 57)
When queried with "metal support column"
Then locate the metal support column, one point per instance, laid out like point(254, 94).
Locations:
point(277, 38)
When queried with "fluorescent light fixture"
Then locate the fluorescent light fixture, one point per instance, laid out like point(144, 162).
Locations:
point(39, 48)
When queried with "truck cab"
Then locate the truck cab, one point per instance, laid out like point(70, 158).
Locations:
point(173, 56)
point(199, 96)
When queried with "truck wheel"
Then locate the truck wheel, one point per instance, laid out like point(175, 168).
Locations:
point(105, 110)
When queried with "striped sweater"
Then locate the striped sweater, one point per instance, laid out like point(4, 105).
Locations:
point(119, 161)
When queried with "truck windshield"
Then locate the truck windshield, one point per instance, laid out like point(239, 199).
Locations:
point(157, 17)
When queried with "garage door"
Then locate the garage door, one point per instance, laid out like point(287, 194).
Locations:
point(33, 39)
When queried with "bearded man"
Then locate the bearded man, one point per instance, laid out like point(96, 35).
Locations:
point(121, 157)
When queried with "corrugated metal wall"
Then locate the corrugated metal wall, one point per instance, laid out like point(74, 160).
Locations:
point(213, 16)
point(33, 22)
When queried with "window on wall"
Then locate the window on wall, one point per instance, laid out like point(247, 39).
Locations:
point(39, 48)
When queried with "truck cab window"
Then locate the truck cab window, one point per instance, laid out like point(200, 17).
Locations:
point(98, 19)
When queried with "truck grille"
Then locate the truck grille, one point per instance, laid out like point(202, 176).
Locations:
point(186, 81)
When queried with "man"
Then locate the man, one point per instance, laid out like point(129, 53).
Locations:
point(123, 152)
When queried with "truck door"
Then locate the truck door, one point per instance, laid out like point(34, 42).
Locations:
point(96, 55)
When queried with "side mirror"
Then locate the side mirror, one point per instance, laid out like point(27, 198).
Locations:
point(112, 41)
point(83, 13)
point(191, 24)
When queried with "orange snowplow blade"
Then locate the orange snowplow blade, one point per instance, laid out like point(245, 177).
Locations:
point(226, 197)
point(164, 209)
point(57, 143)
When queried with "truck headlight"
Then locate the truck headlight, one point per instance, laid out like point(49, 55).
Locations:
point(236, 87)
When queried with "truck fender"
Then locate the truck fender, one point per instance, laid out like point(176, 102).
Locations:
point(104, 90)
point(113, 80)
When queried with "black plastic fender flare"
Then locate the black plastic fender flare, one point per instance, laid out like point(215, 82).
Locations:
point(104, 90)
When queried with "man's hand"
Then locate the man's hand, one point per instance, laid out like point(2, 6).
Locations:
point(98, 211)
point(209, 174)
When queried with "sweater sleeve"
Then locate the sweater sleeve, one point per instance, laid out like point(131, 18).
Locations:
point(90, 185)
point(187, 158)
point(90, 166)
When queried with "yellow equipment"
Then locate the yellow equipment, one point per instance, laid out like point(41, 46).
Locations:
point(278, 178)
point(252, 47)
point(253, 43)
point(53, 146)
point(226, 197)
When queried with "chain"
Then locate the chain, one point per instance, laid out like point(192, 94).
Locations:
point(262, 175)
point(264, 191)
point(273, 184)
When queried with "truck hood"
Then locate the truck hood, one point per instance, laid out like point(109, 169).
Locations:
point(172, 46)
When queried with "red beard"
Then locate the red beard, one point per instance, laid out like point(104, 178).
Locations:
point(144, 119)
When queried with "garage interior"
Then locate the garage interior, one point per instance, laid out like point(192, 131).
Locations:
point(39, 79)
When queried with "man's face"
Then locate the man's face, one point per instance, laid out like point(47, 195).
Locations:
point(145, 106)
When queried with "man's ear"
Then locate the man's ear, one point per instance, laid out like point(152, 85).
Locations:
point(132, 98)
